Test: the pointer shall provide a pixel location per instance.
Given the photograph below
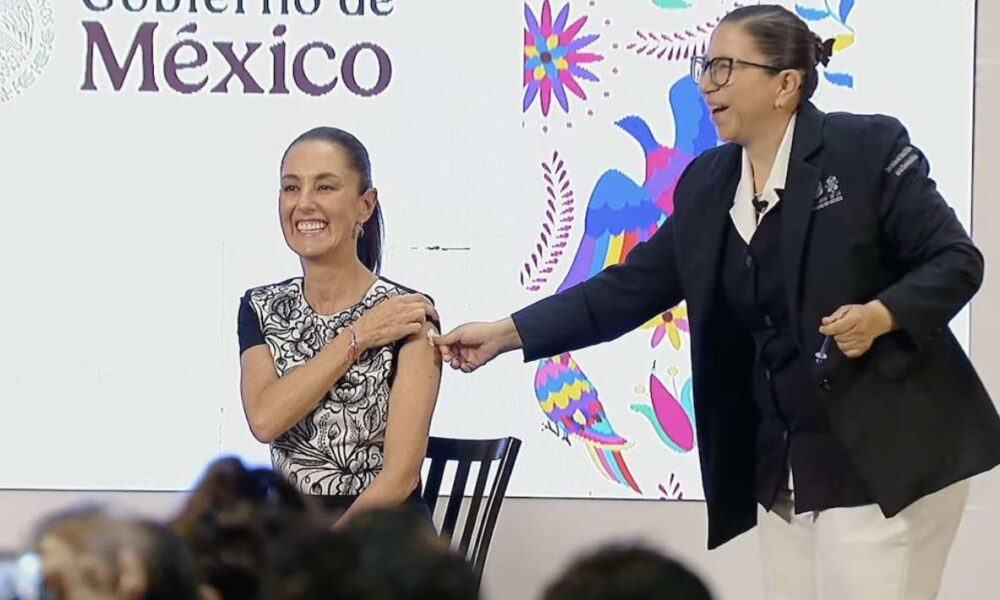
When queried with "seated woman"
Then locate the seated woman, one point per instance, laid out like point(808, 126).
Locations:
point(338, 375)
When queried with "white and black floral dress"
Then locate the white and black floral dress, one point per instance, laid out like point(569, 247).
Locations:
point(336, 450)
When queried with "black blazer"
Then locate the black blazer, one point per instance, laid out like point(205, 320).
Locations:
point(861, 220)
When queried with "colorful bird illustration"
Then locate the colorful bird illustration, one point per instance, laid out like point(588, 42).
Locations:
point(574, 408)
point(672, 415)
point(621, 214)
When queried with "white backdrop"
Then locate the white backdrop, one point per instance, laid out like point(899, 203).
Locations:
point(135, 218)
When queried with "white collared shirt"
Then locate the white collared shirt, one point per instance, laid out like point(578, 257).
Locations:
point(742, 212)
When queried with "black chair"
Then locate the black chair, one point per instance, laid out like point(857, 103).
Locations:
point(441, 451)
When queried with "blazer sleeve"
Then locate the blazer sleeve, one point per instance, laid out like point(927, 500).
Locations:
point(943, 269)
point(608, 305)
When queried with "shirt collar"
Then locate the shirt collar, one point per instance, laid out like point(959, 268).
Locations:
point(742, 212)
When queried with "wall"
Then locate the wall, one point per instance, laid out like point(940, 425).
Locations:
point(536, 538)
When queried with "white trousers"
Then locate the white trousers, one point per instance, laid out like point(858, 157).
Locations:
point(857, 553)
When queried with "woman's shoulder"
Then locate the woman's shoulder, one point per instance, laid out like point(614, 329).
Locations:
point(864, 128)
point(390, 287)
point(257, 294)
point(287, 284)
point(721, 156)
point(385, 288)
point(705, 170)
point(866, 143)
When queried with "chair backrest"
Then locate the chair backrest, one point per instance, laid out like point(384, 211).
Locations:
point(481, 518)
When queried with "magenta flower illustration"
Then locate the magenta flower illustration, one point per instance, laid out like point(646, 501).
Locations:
point(552, 58)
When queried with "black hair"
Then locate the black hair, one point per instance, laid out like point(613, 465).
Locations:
point(229, 519)
point(312, 563)
point(627, 573)
point(171, 569)
point(401, 557)
point(785, 40)
point(370, 242)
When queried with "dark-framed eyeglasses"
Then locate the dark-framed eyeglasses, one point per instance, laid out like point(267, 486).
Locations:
point(720, 68)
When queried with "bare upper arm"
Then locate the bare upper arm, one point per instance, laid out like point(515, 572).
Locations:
point(418, 371)
point(411, 401)
point(256, 373)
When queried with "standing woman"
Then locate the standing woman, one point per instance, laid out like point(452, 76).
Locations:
point(336, 371)
point(821, 267)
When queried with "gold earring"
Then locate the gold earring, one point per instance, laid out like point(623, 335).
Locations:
point(359, 231)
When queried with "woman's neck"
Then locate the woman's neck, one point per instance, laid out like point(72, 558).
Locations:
point(332, 286)
point(763, 149)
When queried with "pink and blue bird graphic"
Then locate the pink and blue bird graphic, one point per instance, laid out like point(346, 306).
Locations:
point(571, 402)
point(620, 214)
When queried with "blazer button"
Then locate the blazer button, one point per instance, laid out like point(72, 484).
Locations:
point(768, 321)
point(825, 385)
point(748, 261)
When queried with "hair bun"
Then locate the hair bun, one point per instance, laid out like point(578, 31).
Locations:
point(824, 50)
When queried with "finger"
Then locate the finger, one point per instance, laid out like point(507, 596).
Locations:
point(424, 305)
point(421, 298)
point(417, 299)
point(845, 347)
point(449, 339)
point(837, 314)
point(858, 349)
point(847, 339)
point(432, 312)
point(838, 327)
point(853, 344)
point(411, 315)
point(855, 347)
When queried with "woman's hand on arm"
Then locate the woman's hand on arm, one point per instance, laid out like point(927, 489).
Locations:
point(274, 405)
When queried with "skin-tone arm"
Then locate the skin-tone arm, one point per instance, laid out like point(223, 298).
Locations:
point(411, 404)
point(274, 405)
